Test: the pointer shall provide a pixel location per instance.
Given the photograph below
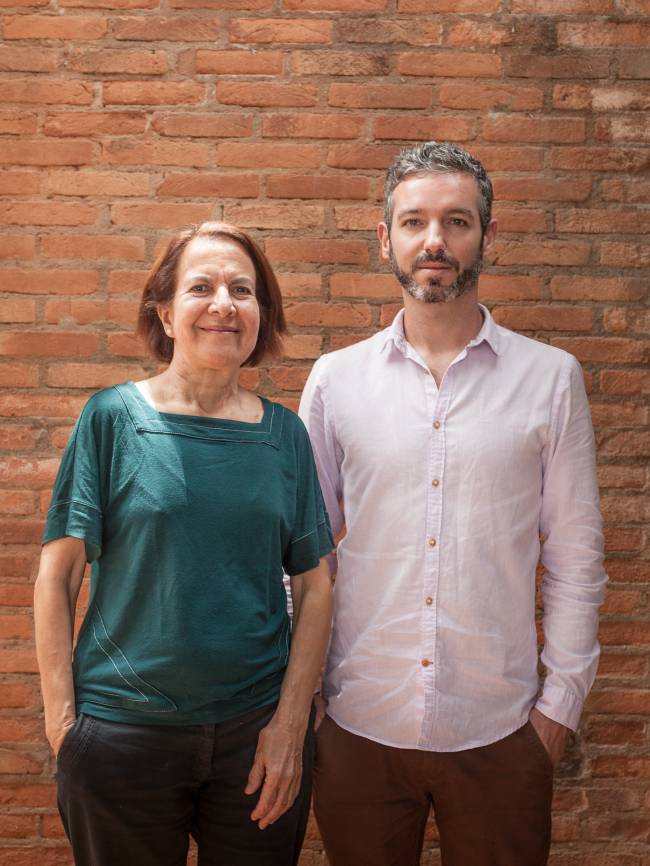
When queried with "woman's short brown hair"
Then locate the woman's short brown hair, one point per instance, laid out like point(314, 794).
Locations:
point(160, 288)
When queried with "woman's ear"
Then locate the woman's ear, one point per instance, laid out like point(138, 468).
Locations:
point(164, 314)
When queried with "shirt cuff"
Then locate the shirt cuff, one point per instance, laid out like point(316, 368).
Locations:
point(561, 705)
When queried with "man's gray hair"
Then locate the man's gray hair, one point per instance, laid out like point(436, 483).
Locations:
point(434, 156)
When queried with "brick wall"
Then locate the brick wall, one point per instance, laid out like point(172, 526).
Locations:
point(123, 118)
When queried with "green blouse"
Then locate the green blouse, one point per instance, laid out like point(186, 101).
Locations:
point(188, 523)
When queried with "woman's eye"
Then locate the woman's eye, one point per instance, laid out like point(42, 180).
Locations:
point(241, 290)
point(199, 288)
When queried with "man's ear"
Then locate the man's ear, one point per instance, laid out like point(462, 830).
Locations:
point(164, 314)
point(489, 237)
point(384, 241)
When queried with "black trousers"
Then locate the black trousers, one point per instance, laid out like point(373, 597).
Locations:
point(131, 795)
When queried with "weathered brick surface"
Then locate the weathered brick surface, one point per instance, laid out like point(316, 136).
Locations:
point(124, 118)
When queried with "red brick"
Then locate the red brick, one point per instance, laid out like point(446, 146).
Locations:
point(17, 310)
point(93, 375)
point(601, 98)
point(625, 509)
point(54, 153)
point(280, 30)
point(543, 318)
point(544, 66)
point(274, 216)
point(565, 288)
point(16, 247)
point(528, 189)
point(51, 281)
point(289, 378)
point(360, 156)
point(239, 62)
point(610, 415)
point(338, 63)
point(450, 64)
point(457, 6)
point(358, 218)
point(111, 4)
point(269, 155)
point(366, 286)
point(614, 827)
point(17, 376)
point(132, 152)
point(95, 123)
point(536, 130)
point(520, 220)
point(338, 315)
point(321, 250)
point(92, 247)
point(48, 343)
point(305, 125)
point(17, 123)
point(19, 183)
point(379, 96)
point(633, 64)
point(599, 221)
point(17, 405)
point(561, 7)
point(619, 540)
point(74, 311)
point(633, 443)
point(17, 695)
point(160, 215)
point(335, 5)
point(19, 59)
point(510, 287)
point(277, 95)
point(20, 762)
point(606, 35)
point(237, 5)
point(323, 186)
point(98, 183)
point(302, 346)
point(60, 856)
point(125, 345)
point(154, 28)
point(116, 60)
point(208, 185)
point(628, 129)
point(621, 601)
point(625, 381)
point(625, 255)
point(17, 502)
point(49, 214)
point(387, 30)
point(81, 28)
point(512, 97)
point(408, 127)
point(474, 33)
point(296, 285)
point(14, 438)
point(509, 158)
point(628, 667)
point(153, 92)
point(548, 252)
point(621, 767)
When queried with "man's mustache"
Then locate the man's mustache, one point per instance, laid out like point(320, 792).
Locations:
point(441, 256)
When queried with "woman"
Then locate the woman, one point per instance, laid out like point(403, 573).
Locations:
point(184, 710)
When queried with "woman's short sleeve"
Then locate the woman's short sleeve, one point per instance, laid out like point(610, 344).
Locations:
point(311, 538)
point(76, 506)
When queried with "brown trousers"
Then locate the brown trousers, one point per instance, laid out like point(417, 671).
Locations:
point(492, 804)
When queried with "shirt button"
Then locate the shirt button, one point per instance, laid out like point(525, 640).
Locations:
point(436, 425)
point(425, 663)
point(428, 600)
point(435, 482)
point(432, 542)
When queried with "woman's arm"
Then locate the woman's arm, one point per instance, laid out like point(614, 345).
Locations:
point(278, 761)
point(59, 578)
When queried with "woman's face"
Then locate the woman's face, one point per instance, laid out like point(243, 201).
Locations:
point(214, 316)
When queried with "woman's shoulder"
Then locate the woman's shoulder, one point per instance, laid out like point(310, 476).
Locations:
point(105, 406)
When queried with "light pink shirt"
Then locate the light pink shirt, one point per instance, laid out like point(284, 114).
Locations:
point(444, 492)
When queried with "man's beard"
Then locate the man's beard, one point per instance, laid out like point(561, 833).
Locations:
point(433, 292)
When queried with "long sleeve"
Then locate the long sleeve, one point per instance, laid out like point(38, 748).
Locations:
point(572, 554)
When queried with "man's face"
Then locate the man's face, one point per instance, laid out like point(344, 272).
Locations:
point(435, 246)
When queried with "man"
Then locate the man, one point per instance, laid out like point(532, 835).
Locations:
point(451, 448)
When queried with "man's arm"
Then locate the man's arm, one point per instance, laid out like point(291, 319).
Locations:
point(317, 418)
point(572, 555)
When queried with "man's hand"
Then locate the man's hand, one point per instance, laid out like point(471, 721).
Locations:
point(58, 735)
point(552, 734)
point(277, 768)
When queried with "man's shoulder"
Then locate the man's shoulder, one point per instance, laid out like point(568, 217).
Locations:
point(518, 346)
point(349, 357)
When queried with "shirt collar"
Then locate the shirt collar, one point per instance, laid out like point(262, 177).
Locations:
point(489, 333)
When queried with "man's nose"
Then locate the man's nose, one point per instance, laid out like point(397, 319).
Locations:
point(434, 239)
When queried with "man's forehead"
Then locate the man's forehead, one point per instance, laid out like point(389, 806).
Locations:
point(454, 190)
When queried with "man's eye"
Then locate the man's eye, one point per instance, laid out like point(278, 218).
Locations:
point(457, 221)
point(413, 221)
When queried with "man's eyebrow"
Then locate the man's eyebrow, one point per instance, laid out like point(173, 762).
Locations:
point(417, 210)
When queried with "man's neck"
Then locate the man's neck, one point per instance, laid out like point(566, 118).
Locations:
point(438, 332)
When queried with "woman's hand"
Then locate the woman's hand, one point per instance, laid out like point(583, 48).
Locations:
point(277, 769)
point(56, 737)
